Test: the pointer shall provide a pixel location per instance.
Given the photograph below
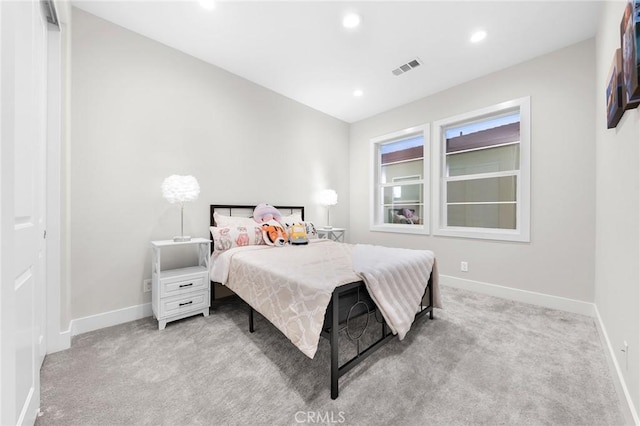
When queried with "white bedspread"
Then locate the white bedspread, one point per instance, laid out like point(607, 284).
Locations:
point(292, 286)
point(396, 280)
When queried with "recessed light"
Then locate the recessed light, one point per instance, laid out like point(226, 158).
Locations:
point(351, 20)
point(478, 36)
point(358, 93)
point(208, 4)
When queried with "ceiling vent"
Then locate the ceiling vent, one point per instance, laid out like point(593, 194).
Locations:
point(407, 67)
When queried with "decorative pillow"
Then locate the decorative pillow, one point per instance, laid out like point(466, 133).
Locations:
point(274, 234)
point(227, 237)
point(298, 234)
point(311, 230)
point(291, 219)
point(222, 220)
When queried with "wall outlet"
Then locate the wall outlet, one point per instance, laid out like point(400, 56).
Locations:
point(464, 266)
point(146, 286)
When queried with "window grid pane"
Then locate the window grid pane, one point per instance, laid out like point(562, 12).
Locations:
point(402, 194)
point(493, 216)
point(491, 160)
point(482, 190)
point(486, 133)
point(409, 214)
point(405, 170)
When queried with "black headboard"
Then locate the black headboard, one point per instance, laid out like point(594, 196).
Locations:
point(247, 210)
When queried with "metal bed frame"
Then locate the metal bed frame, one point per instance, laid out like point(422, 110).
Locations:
point(348, 301)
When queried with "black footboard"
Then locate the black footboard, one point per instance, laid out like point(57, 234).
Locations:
point(348, 302)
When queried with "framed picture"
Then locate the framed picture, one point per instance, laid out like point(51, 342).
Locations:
point(615, 105)
point(629, 31)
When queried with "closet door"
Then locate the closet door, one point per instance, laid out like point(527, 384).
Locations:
point(23, 124)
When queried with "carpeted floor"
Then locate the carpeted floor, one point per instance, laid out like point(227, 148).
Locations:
point(481, 361)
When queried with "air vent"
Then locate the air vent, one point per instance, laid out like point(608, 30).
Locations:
point(407, 67)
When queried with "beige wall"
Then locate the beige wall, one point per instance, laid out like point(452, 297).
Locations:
point(559, 260)
point(142, 111)
point(617, 271)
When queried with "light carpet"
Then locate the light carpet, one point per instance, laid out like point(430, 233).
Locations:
point(481, 361)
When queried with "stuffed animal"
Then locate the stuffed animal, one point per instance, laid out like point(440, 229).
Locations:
point(266, 212)
point(274, 234)
point(298, 234)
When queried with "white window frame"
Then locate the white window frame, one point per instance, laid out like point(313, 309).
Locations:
point(523, 175)
point(374, 181)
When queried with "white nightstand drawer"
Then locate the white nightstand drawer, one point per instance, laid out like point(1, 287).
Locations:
point(184, 303)
point(185, 283)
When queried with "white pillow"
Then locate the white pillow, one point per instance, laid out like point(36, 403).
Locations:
point(291, 219)
point(222, 220)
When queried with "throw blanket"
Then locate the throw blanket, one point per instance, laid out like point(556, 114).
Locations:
point(396, 280)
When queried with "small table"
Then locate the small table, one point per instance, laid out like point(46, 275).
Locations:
point(335, 234)
point(182, 292)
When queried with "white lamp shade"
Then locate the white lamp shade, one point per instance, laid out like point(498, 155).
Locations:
point(328, 197)
point(180, 189)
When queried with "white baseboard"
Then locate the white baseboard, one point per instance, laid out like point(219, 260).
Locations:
point(525, 296)
point(61, 342)
point(629, 410)
point(108, 319)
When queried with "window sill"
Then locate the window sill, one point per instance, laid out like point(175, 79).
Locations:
point(401, 229)
point(484, 234)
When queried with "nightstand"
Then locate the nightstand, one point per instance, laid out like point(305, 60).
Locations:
point(183, 292)
point(335, 234)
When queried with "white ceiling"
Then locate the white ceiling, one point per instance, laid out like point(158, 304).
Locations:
point(300, 49)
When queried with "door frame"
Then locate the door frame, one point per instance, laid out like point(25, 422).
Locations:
point(56, 338)
point(7, 166)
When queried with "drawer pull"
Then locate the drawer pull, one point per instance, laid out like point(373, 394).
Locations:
point(186, 285)
point(186, 303)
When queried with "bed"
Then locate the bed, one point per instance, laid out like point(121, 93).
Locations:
point(312, 291)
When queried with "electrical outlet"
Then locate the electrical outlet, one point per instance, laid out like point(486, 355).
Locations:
point(146, 286)
point(464, 266)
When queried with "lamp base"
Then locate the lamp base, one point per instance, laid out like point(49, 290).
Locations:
point(181, 239)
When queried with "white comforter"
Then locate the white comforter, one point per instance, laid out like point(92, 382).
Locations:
point(292, 286)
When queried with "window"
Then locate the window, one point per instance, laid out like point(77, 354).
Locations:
point(400, 181)
point(482, 172)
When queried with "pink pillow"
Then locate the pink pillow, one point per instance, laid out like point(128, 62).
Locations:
point(226, 237)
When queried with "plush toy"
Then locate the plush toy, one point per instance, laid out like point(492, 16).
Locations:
point(407, 213)
point(298, 234)
point(274, 234)
point(406, 216)
point(266, 212)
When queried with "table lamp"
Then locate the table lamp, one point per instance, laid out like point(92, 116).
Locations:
point(328, 198)
point(180, 189)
